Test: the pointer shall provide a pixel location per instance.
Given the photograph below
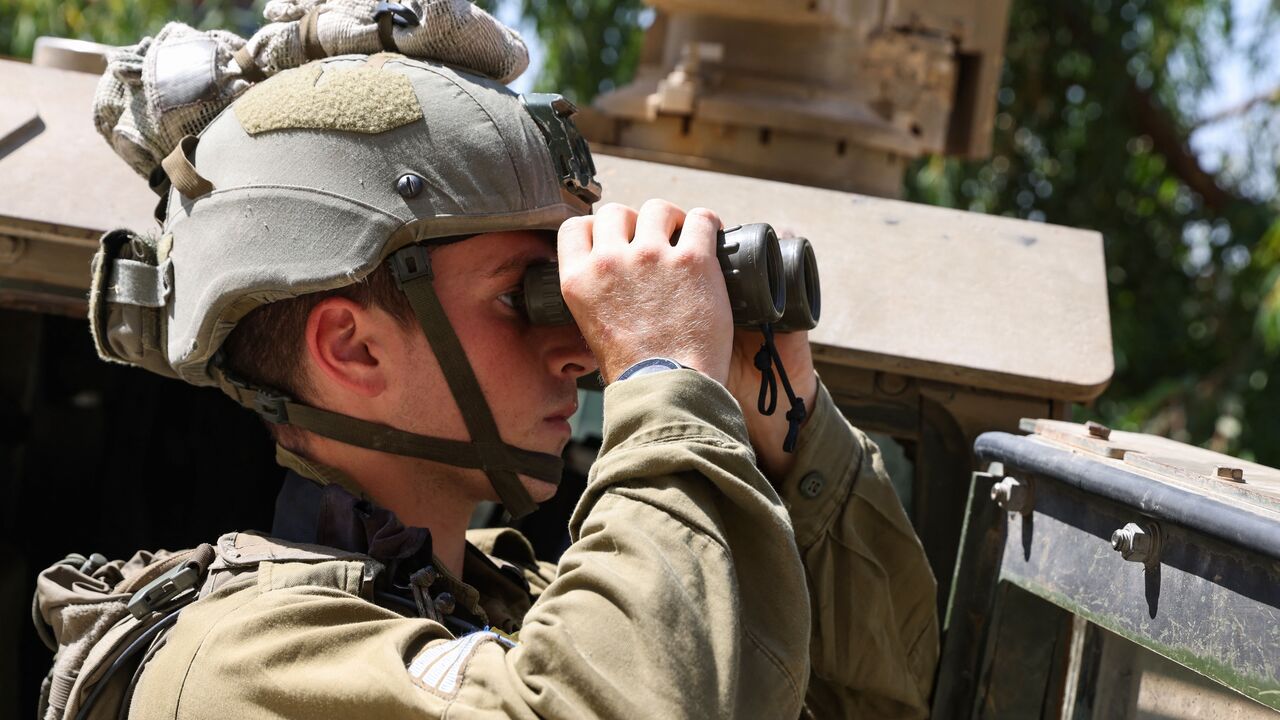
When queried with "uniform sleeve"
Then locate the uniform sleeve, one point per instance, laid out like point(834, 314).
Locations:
point(875, 624)
point(682, 595)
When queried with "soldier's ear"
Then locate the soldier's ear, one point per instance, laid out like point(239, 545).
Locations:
point(347, 347)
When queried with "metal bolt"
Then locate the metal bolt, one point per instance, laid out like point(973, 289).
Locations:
point(1136, 543)
point(1231, 473)
point(1098, 430)
point(1012, 495)
point(410, 185)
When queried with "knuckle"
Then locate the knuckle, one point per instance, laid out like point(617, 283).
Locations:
point(573, 229)
point(659, 206)
point(604, 263)
point(705, 214)
point(614, 208)
point(684, 257)
point(648, 254)
point(689, 258)
point(570, 285)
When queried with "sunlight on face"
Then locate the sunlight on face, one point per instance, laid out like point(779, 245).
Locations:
point(528, 373)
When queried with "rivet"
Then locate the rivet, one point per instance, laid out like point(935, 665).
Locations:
point(410, 185)
point(445, 603)
point(811, 484)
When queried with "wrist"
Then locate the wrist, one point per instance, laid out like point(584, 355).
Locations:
point(614, 370)
point(649, 366)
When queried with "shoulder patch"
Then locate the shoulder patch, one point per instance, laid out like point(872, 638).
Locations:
point(439, 667)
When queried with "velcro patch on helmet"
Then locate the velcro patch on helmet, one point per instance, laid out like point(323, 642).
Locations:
point(361, 99)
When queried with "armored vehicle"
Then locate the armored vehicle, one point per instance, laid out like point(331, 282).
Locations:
point(1082, 572)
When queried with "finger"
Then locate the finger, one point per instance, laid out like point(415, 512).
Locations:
point(699, 232)
point(658, 222)
point(573, 241)
point(615, 225)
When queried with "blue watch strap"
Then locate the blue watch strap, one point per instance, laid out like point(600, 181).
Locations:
point(649, 366)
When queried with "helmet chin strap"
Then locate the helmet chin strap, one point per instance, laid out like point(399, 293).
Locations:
point(411, 267)
point(502, 463)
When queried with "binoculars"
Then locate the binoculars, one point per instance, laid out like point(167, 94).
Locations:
point(770, 281)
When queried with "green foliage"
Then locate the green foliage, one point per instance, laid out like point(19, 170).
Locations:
point(592, 45)
point(114, 22)
point(1095, 107)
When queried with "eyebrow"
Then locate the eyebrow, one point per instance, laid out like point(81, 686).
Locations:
point(519, 262)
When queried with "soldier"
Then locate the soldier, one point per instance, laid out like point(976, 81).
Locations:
point(342, 252)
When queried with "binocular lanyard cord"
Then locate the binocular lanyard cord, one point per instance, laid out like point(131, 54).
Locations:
point(766, 358)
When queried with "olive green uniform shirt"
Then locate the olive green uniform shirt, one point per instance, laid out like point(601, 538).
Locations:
point(692, 588)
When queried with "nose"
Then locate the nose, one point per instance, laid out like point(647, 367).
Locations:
point(567, 353)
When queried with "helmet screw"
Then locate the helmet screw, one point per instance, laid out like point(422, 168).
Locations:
point(410, 185)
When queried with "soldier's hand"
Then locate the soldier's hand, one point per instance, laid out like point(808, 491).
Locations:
point(635, 295)
point(768, 432)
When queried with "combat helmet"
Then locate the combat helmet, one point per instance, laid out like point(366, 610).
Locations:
point(307, 182)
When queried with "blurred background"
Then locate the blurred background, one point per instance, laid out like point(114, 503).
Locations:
point(1154, 123)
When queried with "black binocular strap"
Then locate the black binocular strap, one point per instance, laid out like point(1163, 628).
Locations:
point(766, 359)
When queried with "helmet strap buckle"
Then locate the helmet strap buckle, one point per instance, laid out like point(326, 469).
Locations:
point(410, 263)
point(272, 407)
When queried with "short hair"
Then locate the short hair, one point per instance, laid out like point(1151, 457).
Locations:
point(267, 347)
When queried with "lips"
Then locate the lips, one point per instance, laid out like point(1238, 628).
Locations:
point(564, 413)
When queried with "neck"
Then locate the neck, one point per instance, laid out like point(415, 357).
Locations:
point(446, 517)
point(420, 493)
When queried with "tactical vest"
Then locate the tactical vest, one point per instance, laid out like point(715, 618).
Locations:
point(106, 619)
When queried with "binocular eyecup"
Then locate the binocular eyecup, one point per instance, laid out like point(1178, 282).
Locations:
point(770, 282)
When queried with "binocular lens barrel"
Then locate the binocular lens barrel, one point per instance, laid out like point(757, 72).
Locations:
point(804, 293)
point(751, 261)
point(769, 281)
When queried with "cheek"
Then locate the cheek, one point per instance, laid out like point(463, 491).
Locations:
point(504, 360)
point(503, 357)
point(423, 394)
point(497, 350)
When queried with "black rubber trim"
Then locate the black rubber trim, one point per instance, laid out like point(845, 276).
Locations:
point(1231, 524)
